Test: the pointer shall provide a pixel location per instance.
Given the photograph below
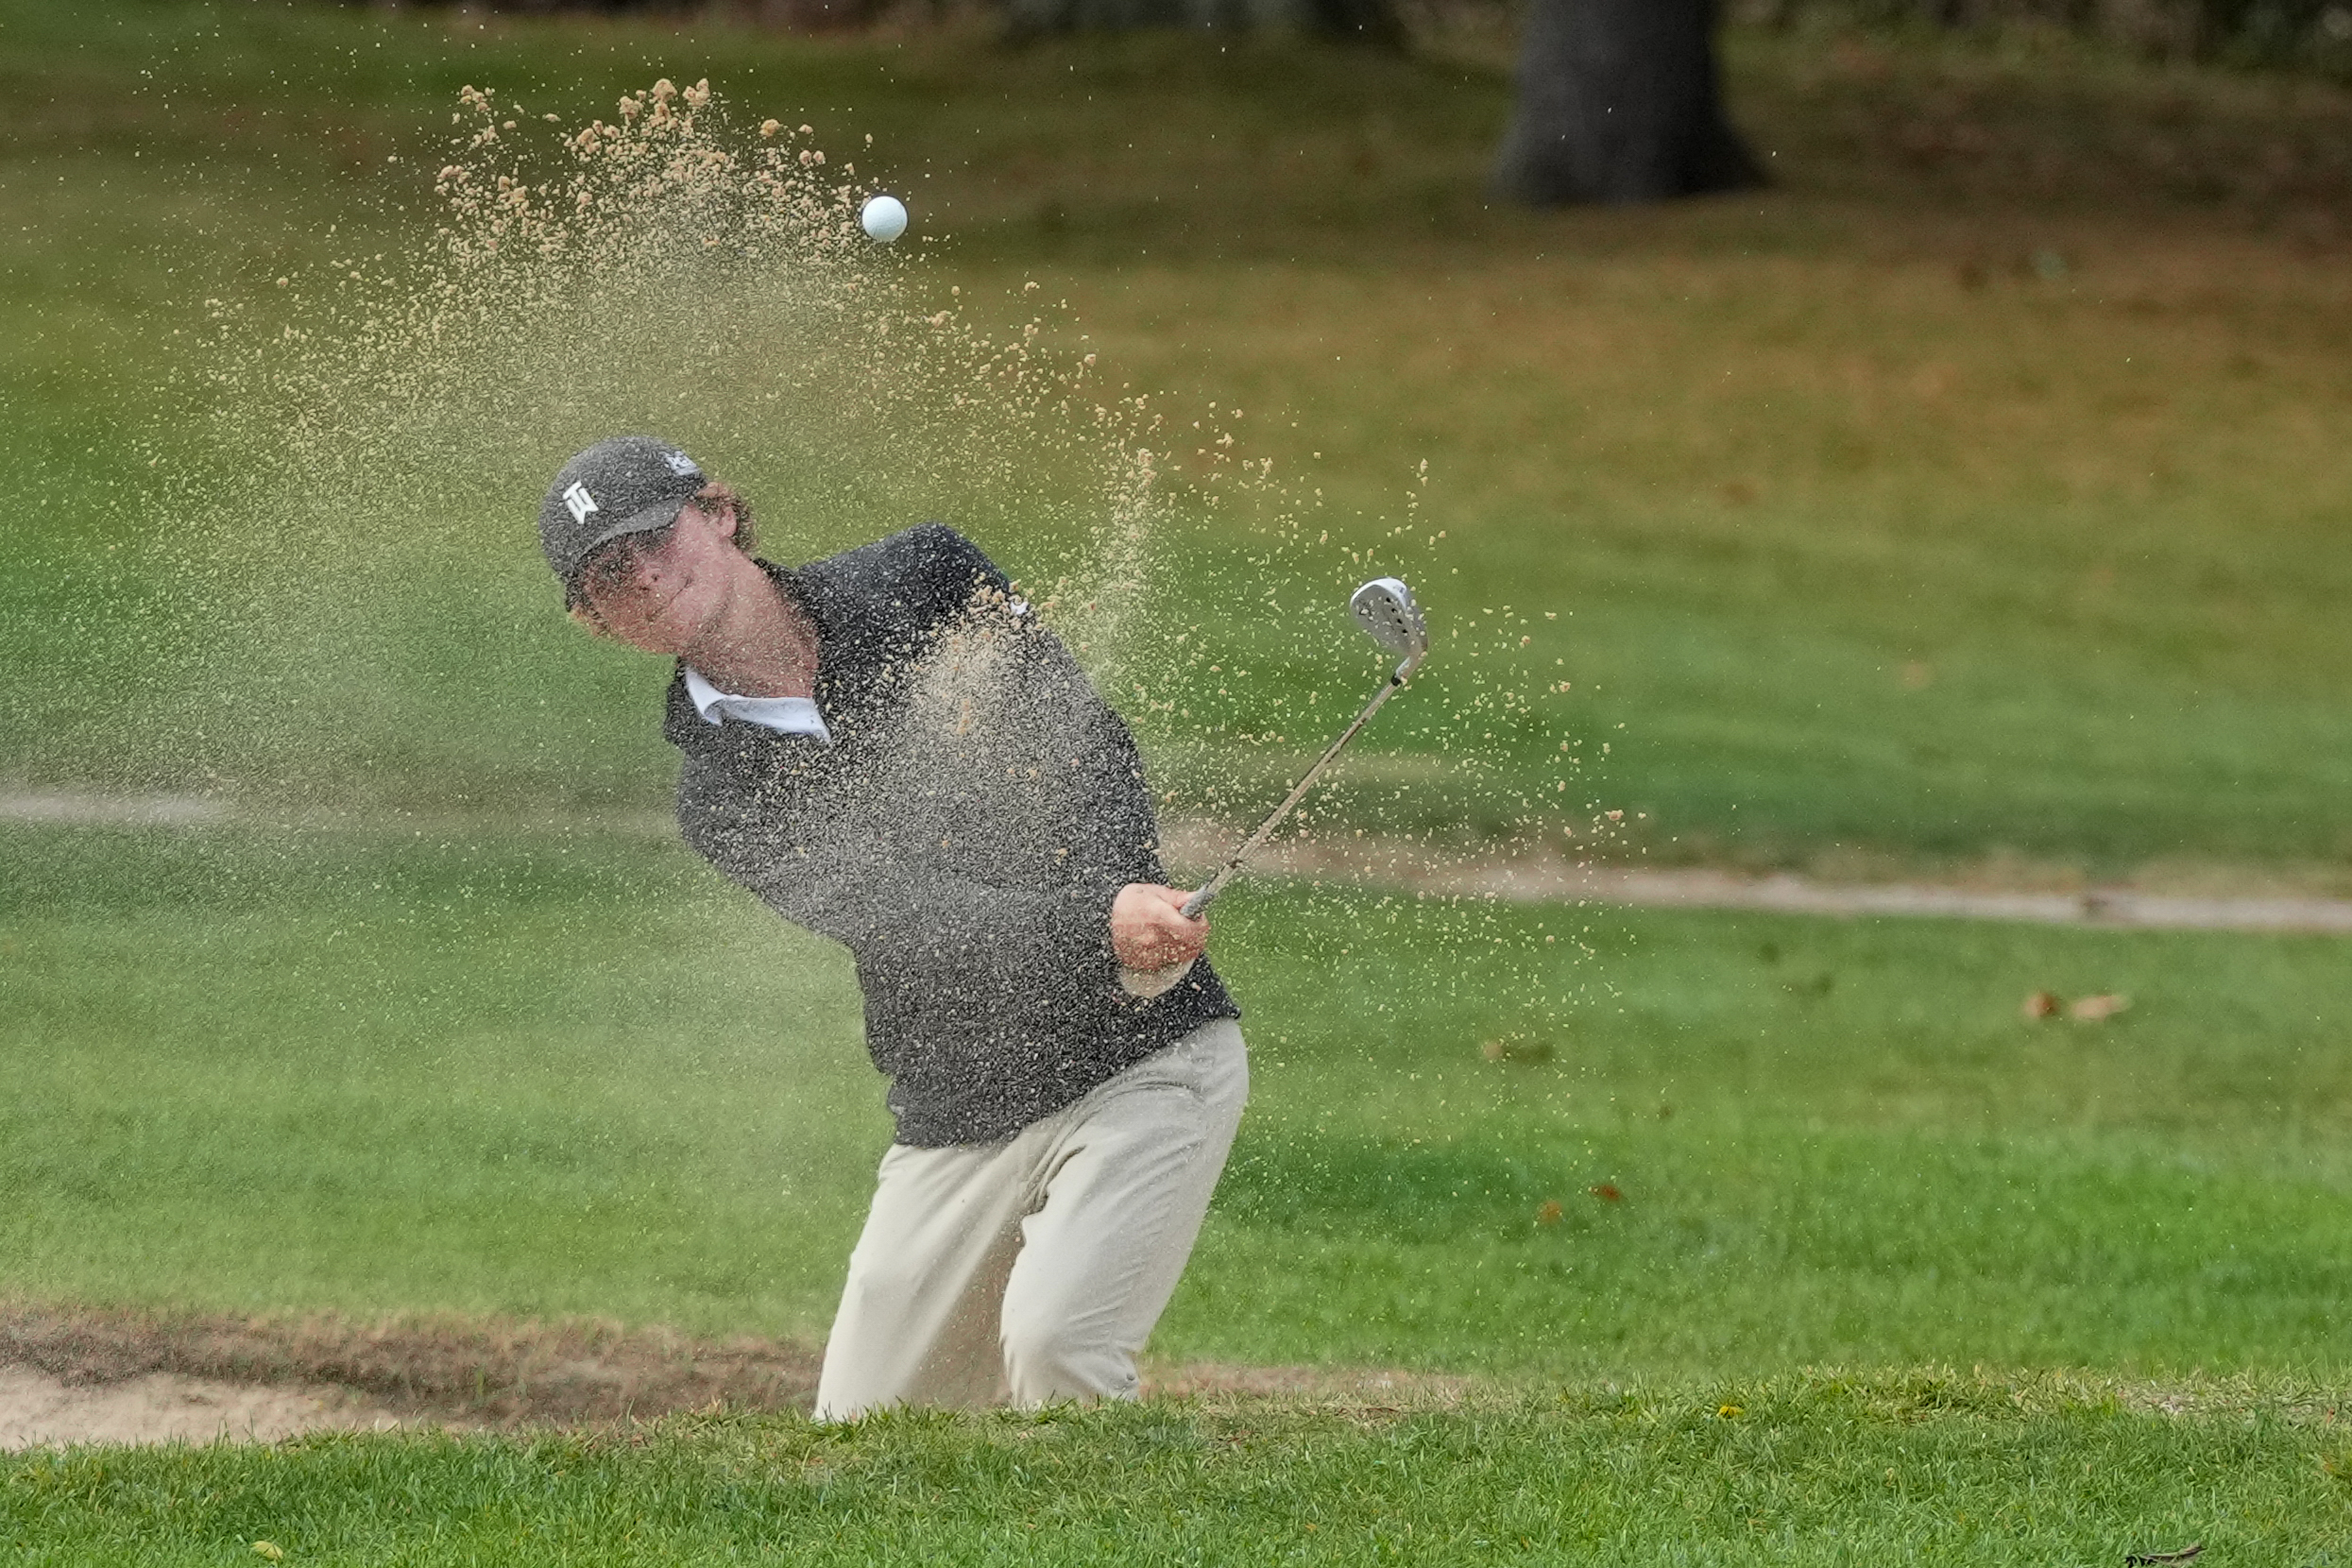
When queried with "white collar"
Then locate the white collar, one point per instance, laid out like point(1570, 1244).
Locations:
point(784, 715)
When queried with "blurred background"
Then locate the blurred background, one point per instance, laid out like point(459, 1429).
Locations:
point(1962, 481)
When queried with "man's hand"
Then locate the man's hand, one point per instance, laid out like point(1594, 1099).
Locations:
point(1149, 929)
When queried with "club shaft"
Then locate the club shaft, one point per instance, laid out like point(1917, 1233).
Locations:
point(1210, 888)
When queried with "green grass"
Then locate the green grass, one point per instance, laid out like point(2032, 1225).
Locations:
point(273, 1072)
point(1978, 489)
point(547, 1077)
point(1927, 1468)
point(511, 1079)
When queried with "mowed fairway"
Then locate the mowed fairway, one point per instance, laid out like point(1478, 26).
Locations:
point(536, 1076)
point(539, 1077)
point(1932, 1468)
point(1974, 498)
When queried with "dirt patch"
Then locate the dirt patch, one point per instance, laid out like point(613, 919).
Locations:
point(1359, 1390)
point(38, 1408)
point(466, 1371)
point(70, 1375)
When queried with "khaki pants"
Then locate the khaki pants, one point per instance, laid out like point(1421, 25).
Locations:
point(1032, 1270)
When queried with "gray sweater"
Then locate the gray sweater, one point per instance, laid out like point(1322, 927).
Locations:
point(964, 836)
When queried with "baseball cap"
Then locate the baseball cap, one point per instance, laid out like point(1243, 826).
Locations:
point(623, 485)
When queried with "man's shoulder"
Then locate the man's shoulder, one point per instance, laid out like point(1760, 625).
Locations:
point(910, 581)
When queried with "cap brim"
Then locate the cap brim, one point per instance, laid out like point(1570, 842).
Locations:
point(645, 521)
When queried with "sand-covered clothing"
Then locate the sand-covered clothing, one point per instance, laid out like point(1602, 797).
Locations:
point(964, 835)
point(1032, 1270)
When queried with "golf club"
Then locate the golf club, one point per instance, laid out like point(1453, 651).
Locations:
point(1385, 608)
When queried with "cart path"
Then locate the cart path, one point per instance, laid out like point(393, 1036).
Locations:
point(1787, 894)
point(1511, 873)
point(1538, 874)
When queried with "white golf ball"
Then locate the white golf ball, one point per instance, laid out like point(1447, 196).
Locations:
point(885, 217)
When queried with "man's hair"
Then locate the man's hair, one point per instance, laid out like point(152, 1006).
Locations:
point(713, 497)
point(720, 493)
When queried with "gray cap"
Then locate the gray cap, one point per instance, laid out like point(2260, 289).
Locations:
point(625, 484)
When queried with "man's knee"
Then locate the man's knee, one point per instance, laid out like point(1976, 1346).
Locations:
point(1050, 1359)
point(878, 1289)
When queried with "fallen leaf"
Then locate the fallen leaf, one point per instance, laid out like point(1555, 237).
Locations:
point(2042, 1004)
point(1548, 1212)
point(1607, 1192)
point(2105, 1005)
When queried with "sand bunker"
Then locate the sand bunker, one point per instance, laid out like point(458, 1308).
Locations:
point(69, 1377)
point(109, 1375)
point(40, 1408)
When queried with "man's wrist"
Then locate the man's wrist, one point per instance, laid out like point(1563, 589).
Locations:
point(1105, 904)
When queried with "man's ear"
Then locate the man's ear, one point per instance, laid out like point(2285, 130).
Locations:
point(719, 511)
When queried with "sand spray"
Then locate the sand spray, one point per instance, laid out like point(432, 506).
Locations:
point(379, 433)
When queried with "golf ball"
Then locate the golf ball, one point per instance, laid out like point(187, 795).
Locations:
point(885, 217)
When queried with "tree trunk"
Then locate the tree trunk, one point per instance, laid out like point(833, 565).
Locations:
point(1619, 102)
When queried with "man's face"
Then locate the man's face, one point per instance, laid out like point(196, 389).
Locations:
point(662, 591)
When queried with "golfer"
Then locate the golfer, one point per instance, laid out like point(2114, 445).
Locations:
point(889, 750)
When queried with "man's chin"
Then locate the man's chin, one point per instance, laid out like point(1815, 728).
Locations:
point(652, 639)
point(655, 634)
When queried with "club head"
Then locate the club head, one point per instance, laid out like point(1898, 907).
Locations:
point(1385, 608)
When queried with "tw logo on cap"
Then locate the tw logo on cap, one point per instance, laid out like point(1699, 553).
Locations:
point(579, 501)
point(679, 462)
